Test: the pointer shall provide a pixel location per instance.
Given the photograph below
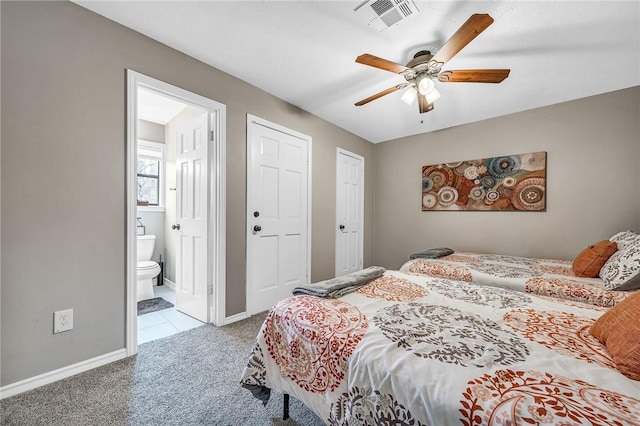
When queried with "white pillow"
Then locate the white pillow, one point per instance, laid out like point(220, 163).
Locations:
point(625, 238)
point(622, 270)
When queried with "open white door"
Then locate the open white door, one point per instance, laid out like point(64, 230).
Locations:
point(349, 212)
point(192, 178)
point(213, 281)
point(277, 217)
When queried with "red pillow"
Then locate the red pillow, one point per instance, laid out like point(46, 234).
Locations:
point(590, 260)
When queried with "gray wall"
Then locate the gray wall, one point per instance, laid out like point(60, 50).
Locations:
point(150, 131)
point(593, 176)
point(63, 177)
point(153, 221)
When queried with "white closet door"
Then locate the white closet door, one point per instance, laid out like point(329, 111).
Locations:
point(349, 212)
point(278, 217)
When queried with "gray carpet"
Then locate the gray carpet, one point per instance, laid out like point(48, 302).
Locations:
point(191, 378)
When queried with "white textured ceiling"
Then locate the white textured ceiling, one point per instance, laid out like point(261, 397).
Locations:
point(156, 108)
point(304, 51)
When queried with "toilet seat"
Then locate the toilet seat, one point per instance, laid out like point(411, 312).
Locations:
point(146, 264)
point(147, 269)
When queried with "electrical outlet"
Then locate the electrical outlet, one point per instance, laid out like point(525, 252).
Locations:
point(62, 321)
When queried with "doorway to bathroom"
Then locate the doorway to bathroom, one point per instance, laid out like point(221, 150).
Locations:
point(175, 210)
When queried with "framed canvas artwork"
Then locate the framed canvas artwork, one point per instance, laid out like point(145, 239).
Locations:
point(507, 183)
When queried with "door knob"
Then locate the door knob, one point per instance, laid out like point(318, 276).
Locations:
point(257, 228)
point(256, 213)
point(342, 227)
point(176, 226)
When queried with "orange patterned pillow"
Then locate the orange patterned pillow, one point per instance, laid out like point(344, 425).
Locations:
point(619, 330)
point(590, 260)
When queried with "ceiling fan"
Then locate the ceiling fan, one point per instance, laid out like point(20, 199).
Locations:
point(422, 71)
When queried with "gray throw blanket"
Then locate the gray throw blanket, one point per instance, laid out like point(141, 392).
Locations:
point(339, 286)
point(260, 392)
point(433, 253)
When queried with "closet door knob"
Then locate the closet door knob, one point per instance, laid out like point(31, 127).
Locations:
point(176, 226)
point(257, 228)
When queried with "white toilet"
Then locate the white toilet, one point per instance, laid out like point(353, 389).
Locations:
point(147, 269)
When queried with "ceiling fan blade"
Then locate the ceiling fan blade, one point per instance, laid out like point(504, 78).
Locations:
point(473, 76)
point(476, 24)
point(381, 94)
point(424, 104)
point(374, 61)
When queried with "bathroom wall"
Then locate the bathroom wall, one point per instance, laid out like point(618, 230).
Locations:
point(154, 221)
point(154, 224)
point(150, 131)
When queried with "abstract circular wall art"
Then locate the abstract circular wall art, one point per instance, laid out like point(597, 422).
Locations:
point(507, 183)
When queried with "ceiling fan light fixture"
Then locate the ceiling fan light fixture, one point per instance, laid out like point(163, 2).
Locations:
point(433, 96)
point(425, 84)
point(409, 96)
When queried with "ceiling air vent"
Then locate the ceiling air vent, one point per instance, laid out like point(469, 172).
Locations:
point(383, 14)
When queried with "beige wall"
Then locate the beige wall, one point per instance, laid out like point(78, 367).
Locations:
point(63, 177)
point(593, 176)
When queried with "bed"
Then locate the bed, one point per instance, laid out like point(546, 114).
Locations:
point(605, 284)
point(408, 349)
point(546, 277)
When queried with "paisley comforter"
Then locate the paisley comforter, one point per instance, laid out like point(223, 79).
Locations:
point(414, 350)
point(547, 277)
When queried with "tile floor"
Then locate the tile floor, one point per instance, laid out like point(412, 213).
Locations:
point(159, 324)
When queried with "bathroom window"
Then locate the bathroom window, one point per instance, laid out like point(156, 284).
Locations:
point(150, 175)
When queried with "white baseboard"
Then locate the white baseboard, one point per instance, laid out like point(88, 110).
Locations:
point(61, 373)
point(235, 318)
point(169, 283)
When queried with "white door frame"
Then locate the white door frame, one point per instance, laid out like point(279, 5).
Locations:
point(340, 151)
point(217, 199)
point(252, 119)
